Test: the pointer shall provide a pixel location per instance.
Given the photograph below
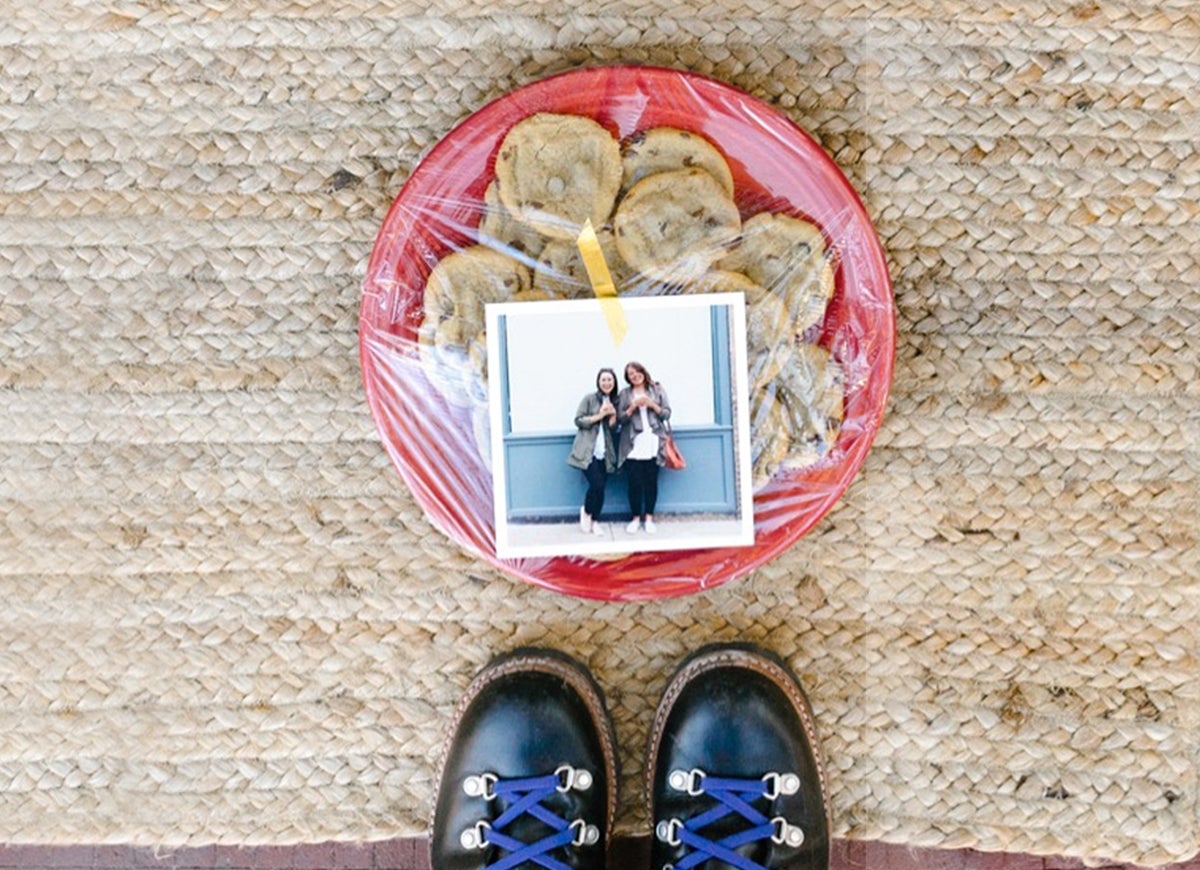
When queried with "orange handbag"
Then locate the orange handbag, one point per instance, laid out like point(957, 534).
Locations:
point(674, 459)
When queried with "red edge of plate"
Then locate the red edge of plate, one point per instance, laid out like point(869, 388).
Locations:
point(757, 555)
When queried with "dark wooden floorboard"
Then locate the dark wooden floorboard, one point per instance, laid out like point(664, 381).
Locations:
point(629, 853)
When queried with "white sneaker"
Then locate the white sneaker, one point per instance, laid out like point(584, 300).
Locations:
point(585, 522)
point(598, 530)
point(650, 529)
point(633, 526)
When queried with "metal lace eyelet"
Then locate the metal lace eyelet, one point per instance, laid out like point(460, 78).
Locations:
point(570, 777)
point(785, 834)
point(780, 783)
point(481, 786)
point(475, 837)
point(668, 830)
point(585, 834)
point(690, 781)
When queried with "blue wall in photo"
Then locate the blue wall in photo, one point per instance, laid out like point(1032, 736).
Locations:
point(540, 484)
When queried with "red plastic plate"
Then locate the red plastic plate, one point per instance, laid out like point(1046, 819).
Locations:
point(776, 167)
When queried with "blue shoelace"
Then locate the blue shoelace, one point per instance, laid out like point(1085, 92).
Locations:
point(524, 797)
point(730, 796)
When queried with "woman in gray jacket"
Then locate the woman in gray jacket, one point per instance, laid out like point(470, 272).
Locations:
point(594, 451)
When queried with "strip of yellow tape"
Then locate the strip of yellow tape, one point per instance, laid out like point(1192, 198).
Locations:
point(602, 282)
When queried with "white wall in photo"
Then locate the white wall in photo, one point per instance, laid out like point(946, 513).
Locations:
point(553, 360)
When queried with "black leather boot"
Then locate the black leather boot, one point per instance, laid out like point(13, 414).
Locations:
point(529, 776)
point(734, 774)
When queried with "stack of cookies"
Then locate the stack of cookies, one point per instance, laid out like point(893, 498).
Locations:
point(663, 205)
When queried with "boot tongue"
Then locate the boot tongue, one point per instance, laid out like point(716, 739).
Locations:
point(528, 829)
point(687, 807)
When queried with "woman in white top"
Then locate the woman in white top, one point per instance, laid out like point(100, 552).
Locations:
point(642, 407)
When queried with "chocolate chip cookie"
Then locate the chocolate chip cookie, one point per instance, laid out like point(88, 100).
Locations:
point(667, 149)
point(557, 171)
point(673, 225)
point(786, 255)
point(560, 269)
point(499, 230)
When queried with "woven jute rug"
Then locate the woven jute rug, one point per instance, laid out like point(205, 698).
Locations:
point(225, 618)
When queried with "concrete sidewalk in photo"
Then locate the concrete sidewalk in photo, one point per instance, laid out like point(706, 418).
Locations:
point(683, 530)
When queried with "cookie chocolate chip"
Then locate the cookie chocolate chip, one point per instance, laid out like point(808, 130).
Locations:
point(556, 171)
point(674, 225)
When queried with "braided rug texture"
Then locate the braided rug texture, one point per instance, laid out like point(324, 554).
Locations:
point(226, 619)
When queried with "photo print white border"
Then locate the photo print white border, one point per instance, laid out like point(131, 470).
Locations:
point(571, 340)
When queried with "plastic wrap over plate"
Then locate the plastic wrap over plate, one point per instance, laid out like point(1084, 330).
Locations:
point(433, 438)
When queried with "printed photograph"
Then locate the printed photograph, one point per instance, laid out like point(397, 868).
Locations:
point(620, 426)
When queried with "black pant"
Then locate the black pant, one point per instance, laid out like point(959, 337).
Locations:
point(643, 485)
point(596, 476)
